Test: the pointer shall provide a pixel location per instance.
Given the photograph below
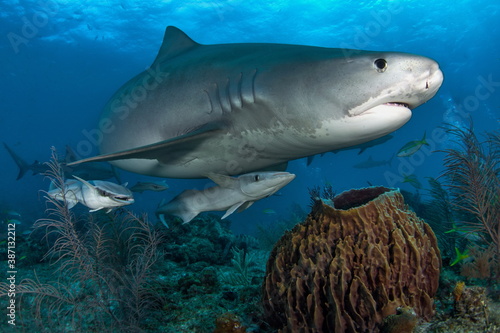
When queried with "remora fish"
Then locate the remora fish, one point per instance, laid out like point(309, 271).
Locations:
point(237, 108)
point(95, 194)
point(412, 147)
point(149, 186)
point(232, 194)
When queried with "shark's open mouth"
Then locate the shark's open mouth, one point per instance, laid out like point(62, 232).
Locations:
point(374, 107)
point(398, 104)
point(123, 199)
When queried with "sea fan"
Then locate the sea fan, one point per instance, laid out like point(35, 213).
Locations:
point(472, 174)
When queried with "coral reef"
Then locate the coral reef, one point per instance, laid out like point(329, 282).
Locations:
point(471, 303)
point(472, 311)
point(458, 291)
point(229, 323)
point(346, 268)
point(207, 239)
point(103, 271)
point(404, 321)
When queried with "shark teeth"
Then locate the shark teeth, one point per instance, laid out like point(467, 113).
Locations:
point(398, 104)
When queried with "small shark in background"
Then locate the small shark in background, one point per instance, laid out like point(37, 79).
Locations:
point(96, 194)
point(362, 147)
point(411, 147)
point(149, 186)
point(231, 194)
point(371, 163)
point(95, 170)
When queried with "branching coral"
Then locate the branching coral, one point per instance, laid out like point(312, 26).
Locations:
point(104, 270)
point(473, 176)
point(438, 213)
point(242, 262)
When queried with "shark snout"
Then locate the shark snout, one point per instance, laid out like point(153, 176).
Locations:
point(284, 174)
point(435, 79)
point(426, 85)
point(284, 177)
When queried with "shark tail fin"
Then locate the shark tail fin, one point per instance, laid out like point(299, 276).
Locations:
point(21, 164)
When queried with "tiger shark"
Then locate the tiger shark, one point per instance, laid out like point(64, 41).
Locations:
point(238, 108)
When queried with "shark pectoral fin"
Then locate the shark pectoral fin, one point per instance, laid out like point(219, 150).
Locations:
point(223, 180)
point(232, 209)
point(168, 150)
point(245, 206)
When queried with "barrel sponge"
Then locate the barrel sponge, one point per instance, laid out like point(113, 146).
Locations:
point(345, 269)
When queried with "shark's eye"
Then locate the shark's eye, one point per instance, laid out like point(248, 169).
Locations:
point(257, 178)
point(102, 192)
point(380, 65)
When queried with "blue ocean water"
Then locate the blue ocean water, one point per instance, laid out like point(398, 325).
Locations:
point(62, 60)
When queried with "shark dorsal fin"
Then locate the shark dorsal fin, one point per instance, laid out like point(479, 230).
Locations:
point(175, 42)
point(222, 180)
